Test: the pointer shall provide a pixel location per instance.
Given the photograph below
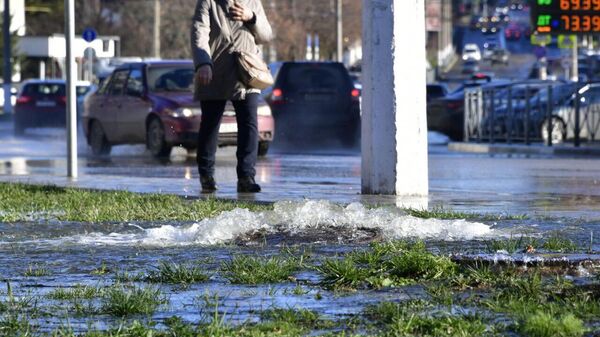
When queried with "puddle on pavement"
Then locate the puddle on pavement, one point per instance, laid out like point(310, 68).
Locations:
point(73, 253)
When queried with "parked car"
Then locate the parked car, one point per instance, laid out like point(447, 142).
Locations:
point(471, 52)
point(316, 100)
point(436, 90)
point(42, 103)
point(528, 106)
point(564, 117)
point(446, 114)
point(152, 103)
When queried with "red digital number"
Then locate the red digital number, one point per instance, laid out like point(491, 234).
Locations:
point(596, 23)
point(565, 5)
point(575, 23)
point(586, 25)
point(595, 2)
point(575, 5)
point(587, 5)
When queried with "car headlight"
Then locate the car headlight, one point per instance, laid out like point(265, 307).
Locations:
point(264, 110)
point(185, 112)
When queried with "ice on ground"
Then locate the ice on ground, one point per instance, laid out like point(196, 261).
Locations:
point(291, 217)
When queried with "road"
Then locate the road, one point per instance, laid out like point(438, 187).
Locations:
point(521, 60)
point(467, 182)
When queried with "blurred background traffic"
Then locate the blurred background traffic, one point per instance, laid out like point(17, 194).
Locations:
point(490, 76)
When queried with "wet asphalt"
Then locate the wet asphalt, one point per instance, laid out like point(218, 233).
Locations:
point(511, 184)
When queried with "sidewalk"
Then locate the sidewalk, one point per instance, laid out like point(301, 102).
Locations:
point(534, 149)
point(535, 183)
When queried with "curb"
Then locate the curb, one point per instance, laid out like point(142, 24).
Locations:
point(536, 149)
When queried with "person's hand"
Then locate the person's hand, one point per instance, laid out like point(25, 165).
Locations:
point(204, 75)
point(240, 13)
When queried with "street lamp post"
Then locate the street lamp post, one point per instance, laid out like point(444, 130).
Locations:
point(71, 92)
point(340, 31)
point(7, 57)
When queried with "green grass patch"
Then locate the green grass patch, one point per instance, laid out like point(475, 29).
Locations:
point(245, 269)
point(447, 214)
point(414, 318)
point(560, 245)
point(541, 324)
point(36, 270)
point(385, 264)
point(122, 301)
point(75, 293)
point(512, 245)
point(174, 273)
point(25, 202)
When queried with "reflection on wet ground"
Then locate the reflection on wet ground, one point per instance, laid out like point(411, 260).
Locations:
point(478, 183)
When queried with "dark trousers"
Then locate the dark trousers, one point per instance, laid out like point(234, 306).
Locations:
point(247, 135)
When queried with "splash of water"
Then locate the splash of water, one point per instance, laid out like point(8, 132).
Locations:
point(291, 217)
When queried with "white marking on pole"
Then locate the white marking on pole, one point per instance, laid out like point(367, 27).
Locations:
point(71, 92)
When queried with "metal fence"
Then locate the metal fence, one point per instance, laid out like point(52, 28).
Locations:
point(533, 112)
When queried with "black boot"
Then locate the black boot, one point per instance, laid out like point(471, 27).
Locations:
point(247, 185)
point(208, 183)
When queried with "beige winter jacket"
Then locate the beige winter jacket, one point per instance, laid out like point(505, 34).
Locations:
point(214, 36)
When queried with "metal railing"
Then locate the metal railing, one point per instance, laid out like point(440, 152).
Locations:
point(533, 112)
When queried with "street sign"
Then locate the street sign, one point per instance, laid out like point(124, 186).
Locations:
point(89, 35)
point(540, 39)
point(565, 16)
point(566, 41)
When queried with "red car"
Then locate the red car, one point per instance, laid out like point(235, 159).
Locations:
point(512, 32)
point(152, 103)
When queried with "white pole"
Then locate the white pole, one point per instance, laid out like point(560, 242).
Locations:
point(340, 31)
point(394, 119)
point(156, 38)
point(71, 93)
point(7, 58)
point(43, 69)
point(574, 62)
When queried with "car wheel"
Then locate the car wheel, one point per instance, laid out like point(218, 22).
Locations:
point(155, 139)
point(263, 148)
point(558, 133)
point(98, 141)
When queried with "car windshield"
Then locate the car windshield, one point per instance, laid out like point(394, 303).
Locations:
point(315, 76)
point(179, 78)
point(44, 89)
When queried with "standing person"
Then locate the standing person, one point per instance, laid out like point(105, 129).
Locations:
point(218, 28)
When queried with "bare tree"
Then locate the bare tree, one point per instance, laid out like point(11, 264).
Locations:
point(132, 20)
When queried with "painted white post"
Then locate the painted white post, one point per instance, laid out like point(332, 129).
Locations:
point(71, 92)
point(394, 120)
point(43, 69)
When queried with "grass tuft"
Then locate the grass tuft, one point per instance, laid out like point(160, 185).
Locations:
point(121, 302)
point(542, 324)
point(512, 245)
point(36, 271)
point(75, 293)
point(173, 273)
point(258, 270)
point(446, 214)
point(559, 245)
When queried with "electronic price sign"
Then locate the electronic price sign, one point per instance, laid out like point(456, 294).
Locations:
point(566, 16)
